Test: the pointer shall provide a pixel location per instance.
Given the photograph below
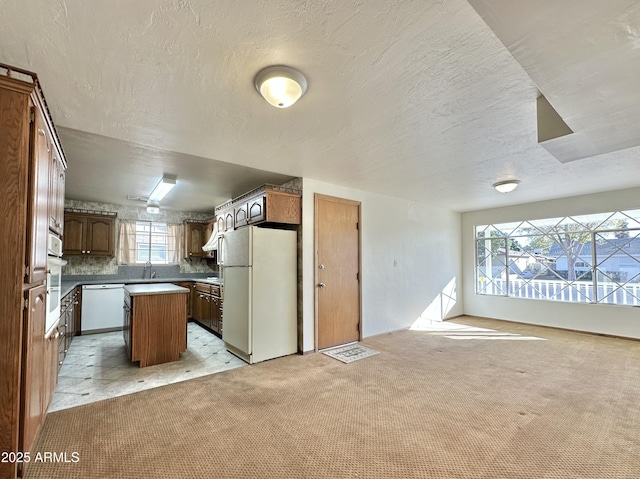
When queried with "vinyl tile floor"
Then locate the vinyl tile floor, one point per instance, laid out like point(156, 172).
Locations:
point(97, 367)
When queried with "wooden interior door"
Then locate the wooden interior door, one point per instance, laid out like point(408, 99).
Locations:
point(337, 240)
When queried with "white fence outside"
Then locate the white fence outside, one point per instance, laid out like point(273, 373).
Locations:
point(556, 290)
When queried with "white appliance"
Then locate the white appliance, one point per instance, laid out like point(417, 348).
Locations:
point(259, 309)
point(102, 308)
point(54, 278)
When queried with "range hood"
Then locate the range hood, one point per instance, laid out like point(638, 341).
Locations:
point(212, 243)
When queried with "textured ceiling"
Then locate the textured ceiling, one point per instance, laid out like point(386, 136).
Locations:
point(415, 99)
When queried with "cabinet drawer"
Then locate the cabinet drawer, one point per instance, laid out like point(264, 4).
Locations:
point(203, 288)
point(215, 290)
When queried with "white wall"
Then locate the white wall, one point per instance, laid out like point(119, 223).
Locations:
point(423, 241)
point(597, 318)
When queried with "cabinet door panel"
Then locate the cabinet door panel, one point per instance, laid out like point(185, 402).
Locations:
point(257, 210)
point(194, 239)
point(56, 193)
point(228, 221)
point(74, 235)
point(33, 394)
point(100, 241)
point(241, 215)
point(39, 200)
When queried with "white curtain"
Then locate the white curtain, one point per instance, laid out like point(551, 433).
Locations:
point(174, 243)
point(127, 242)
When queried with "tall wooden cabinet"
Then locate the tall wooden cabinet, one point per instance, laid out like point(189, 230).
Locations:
point(28, 147)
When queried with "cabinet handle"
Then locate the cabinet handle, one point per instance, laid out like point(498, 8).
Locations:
point(321, 285)
point(83, 252)
point(88, 252)
point(59, 363)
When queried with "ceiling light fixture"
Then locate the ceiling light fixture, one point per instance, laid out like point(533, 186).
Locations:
point(160, 191)
point(506, 186)
point(281, 86)
point(153, 208)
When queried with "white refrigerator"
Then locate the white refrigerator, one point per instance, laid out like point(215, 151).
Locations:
point(259, 307)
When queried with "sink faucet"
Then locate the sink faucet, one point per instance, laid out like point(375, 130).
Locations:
point(147, 266)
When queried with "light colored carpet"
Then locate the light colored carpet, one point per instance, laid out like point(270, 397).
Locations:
point(434, 404)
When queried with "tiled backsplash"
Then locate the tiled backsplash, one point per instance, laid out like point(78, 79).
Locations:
point(87, 265)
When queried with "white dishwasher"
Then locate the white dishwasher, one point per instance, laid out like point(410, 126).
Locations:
point(102, 307)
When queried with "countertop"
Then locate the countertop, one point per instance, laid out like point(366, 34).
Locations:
point(154, 288)
point(66, 286)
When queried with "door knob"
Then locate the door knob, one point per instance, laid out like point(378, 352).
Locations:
point(321, 285)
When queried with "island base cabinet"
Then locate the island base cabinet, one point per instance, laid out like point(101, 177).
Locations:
point(157, 328)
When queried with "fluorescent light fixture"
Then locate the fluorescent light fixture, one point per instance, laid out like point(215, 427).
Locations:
point(153, 208)
point(506, 186)
point(281, 86)
point(160, 191)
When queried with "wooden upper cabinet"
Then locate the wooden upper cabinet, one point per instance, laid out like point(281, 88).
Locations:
point(229, 223)
point(56, 193)
point(87, 234)
point(38, 203)
point(194, 239)
point(240, 215)
point(256, 208)
point(100, 236)
point(75, 232)
point(266, 204)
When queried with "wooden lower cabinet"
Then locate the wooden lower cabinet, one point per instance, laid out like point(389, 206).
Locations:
point(207, 307)
point(39, 369)
point(190, 285)
point(216, 309)
point(202, 308)
point(155, 325)
point(68, 323)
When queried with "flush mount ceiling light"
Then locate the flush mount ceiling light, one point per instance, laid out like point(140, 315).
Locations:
point(506, 186)
point(160, 191)
point(281, 86)
point(153, 208)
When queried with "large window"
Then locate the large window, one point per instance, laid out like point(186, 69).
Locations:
point(143, 241)
point(588, 258)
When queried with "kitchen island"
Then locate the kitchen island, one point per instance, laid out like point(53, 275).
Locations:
point(155, 322)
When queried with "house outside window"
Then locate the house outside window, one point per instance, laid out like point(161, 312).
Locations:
point(588, 258)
